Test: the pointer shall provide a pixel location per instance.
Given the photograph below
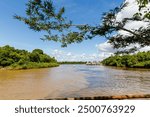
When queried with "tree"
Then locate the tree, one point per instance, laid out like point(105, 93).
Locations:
point(111, 25)
point(9, 56)
point(143, 6)
point(39, 51)
point(34, 57)
point(42, 16)
point(140, 60)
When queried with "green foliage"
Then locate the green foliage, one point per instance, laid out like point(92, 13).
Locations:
point(31, 65)
point(143, 6)
point(41, 15)
point(142, 3)
point(15, 58)
point(34, 57)
point(110, 26)
point(141, 59)
point(145, 64)
point(39, 51)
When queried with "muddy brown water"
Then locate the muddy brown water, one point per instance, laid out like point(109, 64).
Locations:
point(72, 81)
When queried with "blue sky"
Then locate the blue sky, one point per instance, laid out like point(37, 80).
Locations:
point(17, 34)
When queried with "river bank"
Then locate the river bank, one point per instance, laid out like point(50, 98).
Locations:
point(139, 60)
point(12, 58)
point(30, 65)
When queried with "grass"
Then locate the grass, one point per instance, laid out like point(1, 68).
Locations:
point(145, 64)
point(33, 65)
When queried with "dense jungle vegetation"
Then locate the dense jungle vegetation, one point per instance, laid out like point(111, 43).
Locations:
point(139, 60)
point(12, 58)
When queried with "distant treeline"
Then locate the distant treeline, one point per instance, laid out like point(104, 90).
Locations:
point(139, 60)
point(21, 59)
point(72, 62)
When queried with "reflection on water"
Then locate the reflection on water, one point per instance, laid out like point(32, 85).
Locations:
point(72, 81)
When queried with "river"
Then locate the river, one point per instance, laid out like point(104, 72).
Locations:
point(72, 81)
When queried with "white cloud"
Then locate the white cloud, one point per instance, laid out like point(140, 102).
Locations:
point(146, 48)
point(128, 11)
point(106, 49)
point(68, 56)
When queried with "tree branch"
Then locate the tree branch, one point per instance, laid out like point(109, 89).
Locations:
point(129, 31)
point(78, 24)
